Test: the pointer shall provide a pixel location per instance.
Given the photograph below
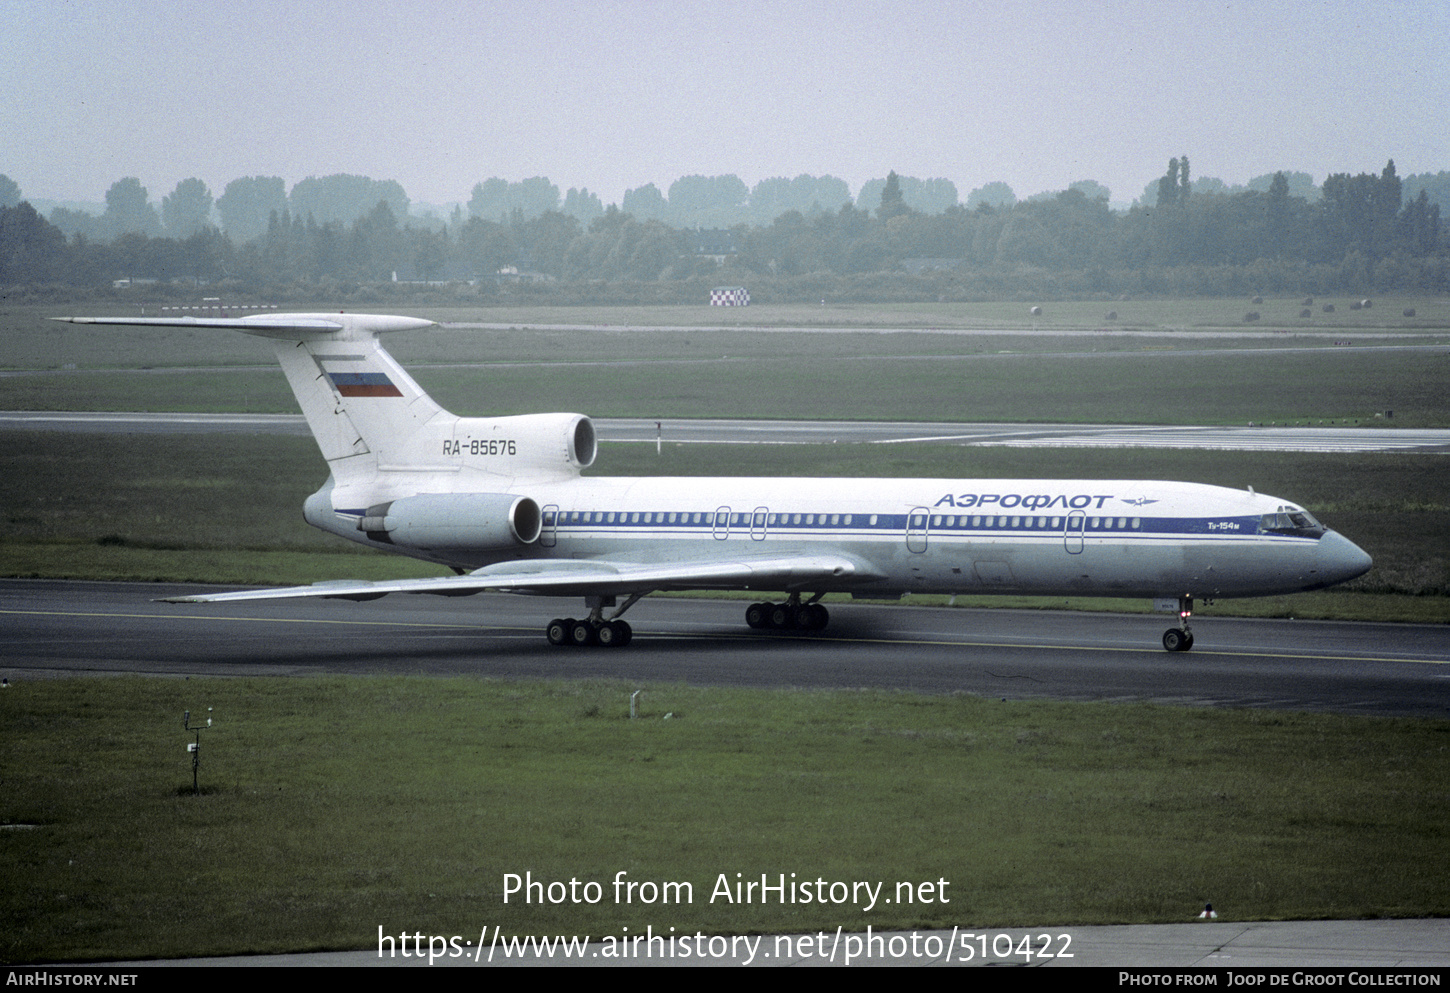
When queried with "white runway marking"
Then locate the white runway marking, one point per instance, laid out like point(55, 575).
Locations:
point(1243, 439)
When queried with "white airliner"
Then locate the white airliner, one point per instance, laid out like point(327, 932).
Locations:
point(501, 501)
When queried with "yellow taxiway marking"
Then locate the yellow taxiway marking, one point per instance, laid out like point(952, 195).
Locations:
point(1109, 648)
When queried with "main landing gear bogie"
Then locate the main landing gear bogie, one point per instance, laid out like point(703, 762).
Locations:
point(594, 630)
point(788, 616)
point(604, 634)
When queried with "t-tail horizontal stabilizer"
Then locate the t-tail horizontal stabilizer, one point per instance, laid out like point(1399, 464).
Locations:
point(297, 326)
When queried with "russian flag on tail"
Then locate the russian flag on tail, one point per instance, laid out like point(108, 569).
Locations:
point(364, 384)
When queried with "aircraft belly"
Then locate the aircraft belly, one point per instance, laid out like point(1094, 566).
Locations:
point(1044, 567)
point(1038, 567)
point(648, 550)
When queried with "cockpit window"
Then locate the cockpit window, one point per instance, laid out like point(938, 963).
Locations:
point(1293, 521)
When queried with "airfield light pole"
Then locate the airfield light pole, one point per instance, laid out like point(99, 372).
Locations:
point(195, 747)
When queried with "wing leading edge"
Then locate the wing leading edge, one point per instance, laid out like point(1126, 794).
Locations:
point(561, 577)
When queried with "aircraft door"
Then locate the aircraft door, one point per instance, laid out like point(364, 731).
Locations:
point(1072, 533)
point(722, 523)
point(549, 534)
point(757, 523)
point(918, 522)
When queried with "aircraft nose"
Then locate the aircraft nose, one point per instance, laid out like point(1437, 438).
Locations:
point(1340, 559)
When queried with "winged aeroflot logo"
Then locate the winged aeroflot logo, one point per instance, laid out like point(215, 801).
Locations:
point(1140, 502)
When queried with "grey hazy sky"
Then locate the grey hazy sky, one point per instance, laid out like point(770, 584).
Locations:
point(613, 95)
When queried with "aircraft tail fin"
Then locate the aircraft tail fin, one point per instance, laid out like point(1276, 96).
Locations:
point(364, 409)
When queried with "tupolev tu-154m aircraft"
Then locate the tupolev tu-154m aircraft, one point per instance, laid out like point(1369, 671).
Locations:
point(501, 501)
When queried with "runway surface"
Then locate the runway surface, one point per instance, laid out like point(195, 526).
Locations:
point(55, 628)
point(1245, 438)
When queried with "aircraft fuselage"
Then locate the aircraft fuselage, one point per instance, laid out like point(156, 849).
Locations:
point(1124, 538)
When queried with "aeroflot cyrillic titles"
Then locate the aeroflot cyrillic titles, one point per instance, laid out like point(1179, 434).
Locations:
point(1031, 501)
point(501, 500)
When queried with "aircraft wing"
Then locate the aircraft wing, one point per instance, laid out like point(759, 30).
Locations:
point(590, 577)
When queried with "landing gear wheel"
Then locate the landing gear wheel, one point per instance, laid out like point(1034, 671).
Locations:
point(558, 631)
point(582, 633)
point(1177, 640)
point(814, 617)
point(613, 634)
point(782, 617)
point(757, 615)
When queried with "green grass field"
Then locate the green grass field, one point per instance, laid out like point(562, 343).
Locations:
point(706, 370)
point(1432, 313)
point(335, 807)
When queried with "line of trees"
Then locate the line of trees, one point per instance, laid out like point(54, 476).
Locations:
point(244, 209)
point(1360, 234)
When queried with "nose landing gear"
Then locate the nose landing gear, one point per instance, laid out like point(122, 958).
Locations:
point(1180, 639)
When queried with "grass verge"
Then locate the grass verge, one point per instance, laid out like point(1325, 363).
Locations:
point(335, 807)
point(843, 380)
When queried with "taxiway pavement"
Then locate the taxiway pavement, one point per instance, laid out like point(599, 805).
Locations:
point(777, 432)
point(56, 628)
